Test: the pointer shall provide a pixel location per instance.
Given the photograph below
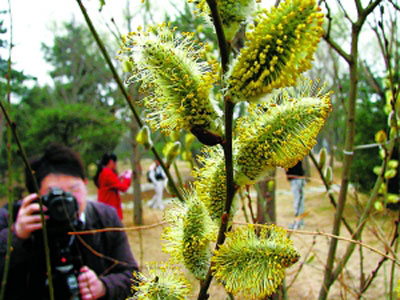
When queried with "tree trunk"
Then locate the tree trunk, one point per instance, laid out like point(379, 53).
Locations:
point(136, 175)
point(266, 210)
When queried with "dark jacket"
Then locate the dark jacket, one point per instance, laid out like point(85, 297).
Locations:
point(27, 266)
point(296, 171)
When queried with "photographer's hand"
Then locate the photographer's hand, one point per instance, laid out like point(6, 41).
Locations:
point(90, 286)
point(28, 218)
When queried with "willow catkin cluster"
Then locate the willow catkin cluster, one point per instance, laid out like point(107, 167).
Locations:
point(278, 135)
point(254, 265)
point(233, 13)
point(188, 236)
point(277, 50)
point(164, 282)
point(175, 78)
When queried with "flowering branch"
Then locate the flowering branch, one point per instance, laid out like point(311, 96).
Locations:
point(124, 92)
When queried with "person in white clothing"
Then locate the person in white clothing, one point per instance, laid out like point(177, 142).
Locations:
point(157, 176)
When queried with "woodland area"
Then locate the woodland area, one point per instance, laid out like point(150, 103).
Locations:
point(226, 95)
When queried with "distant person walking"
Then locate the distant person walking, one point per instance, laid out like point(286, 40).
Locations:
point(109, 184)
point(297, 180)
point(157, 176)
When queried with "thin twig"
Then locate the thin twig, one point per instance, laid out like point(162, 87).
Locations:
point(330, 194)
point(332, 236)
point(10, 176)
point(12, 127)
point(124, 92)
point(373, 274)
point(310, 250)
point(117, 229)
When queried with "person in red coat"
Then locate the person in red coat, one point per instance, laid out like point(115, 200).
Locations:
point(109, 184)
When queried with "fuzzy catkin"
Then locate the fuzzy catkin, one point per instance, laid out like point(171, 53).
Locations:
point(175, 78)
point(254, 265)
point(278, 135)
point(279, 49)
point(188, 236)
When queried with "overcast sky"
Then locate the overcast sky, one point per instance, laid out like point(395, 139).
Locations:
point(34, 22)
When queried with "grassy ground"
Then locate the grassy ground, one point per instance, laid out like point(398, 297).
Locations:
point(147, 247)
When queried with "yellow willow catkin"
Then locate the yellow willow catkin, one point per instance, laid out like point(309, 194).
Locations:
point(163, 282)
point(210, 181)
point(232, 13)
point(254, 265)
point(275, 135)
point(175, 79)
point(188, 236)
point(279, 49)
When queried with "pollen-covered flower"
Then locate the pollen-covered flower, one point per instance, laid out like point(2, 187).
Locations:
point(188, 237)
point(175, 77)
point(210, 181)
point(279, 135)
point(279, 48)
point(163, 282)
point(254, 265)
point(232, 13)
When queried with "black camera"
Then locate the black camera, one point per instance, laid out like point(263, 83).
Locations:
point(62, 209)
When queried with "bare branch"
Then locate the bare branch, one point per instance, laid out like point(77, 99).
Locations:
point(372, 80)
point(397, 7)
point(332, 236)
point(338, 49)
point(346, 15)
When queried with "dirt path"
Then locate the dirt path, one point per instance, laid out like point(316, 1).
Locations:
point(147, 246)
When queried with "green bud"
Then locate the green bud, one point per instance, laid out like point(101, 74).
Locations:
point(175, 135)
point(390, 174)
point(377, 170)
point(329, 175)
point(172, 150)
point(392, 198)
point(380, 137)
point(378, 206)
point(186, 155)
point(382, 189)
point(143, 137)
point(322, 158)
point(271, 185)
point(170, 188)
point(393, 164)
point(382, 153)
point(127, 66)
point(189, 139)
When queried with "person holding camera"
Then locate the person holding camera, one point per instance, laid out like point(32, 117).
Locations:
point(92, 266)
point(109, 184)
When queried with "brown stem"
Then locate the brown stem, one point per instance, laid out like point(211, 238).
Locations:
point(227, 144)
point(330, 275)
point(330, 195)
